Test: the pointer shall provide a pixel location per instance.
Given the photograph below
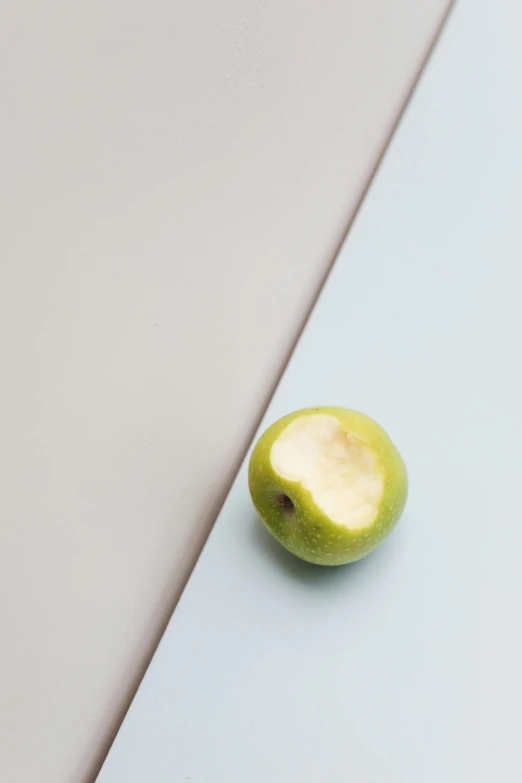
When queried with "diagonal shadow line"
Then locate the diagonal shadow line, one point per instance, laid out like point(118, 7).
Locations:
point(213, 515)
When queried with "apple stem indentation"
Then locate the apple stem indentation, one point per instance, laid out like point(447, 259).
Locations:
point(285, 504)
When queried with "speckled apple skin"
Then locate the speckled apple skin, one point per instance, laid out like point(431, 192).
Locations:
point(309, 533)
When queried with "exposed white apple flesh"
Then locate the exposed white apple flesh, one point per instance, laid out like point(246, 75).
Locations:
point(337, 468)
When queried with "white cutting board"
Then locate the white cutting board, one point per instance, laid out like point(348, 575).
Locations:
point(406, 667)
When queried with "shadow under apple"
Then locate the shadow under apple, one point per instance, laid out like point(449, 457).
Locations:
point(317, 575)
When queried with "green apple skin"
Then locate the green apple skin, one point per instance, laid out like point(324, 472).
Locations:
point(308, 533)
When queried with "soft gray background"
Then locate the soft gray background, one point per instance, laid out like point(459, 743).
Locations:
point(405, 667)
point(174, 180)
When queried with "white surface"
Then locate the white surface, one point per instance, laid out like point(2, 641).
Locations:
point(174, 178)
point(406, 666)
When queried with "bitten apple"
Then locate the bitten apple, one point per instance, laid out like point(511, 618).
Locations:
point(328, 483)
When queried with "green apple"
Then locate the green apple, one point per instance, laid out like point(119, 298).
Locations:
point(328, 483)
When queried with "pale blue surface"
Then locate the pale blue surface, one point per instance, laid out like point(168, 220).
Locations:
point(404, 668)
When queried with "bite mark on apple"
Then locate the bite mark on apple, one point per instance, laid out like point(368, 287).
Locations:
point(340, 471)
